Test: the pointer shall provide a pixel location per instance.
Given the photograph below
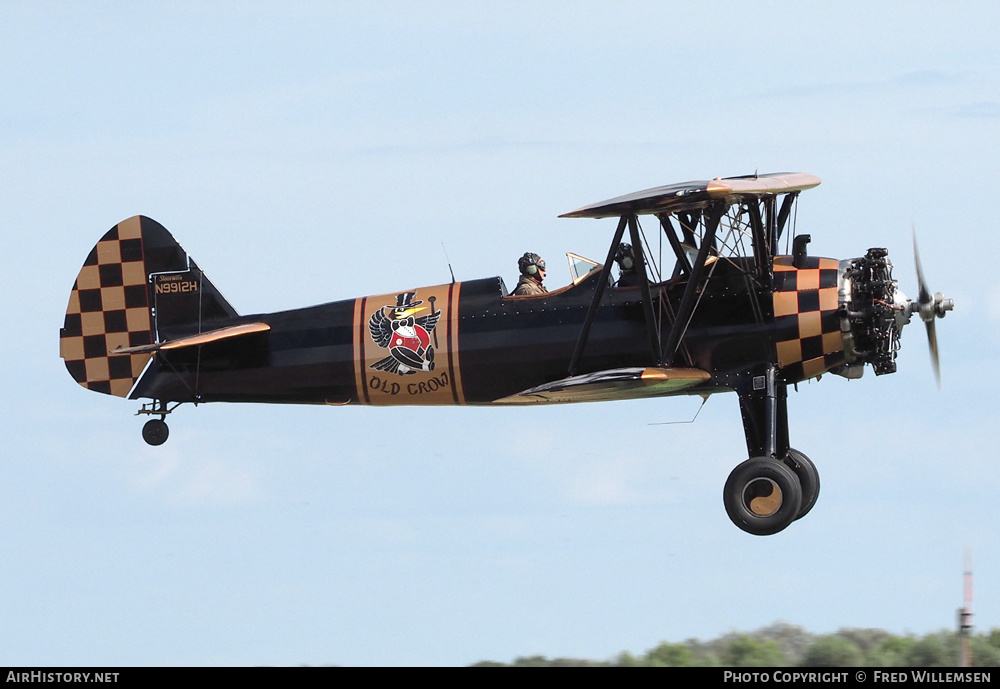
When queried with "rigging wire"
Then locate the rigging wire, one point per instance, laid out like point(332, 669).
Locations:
point(704, 399)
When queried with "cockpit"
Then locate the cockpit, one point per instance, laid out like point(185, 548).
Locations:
point(580, 269)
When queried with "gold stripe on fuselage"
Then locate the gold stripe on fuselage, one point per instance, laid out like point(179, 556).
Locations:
point(358, 330)
point(454, 354)
point(403, 347)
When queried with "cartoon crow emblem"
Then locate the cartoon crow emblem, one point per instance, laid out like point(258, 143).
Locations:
point(407, 338)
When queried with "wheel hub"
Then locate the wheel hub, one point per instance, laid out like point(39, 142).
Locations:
point(762, 496)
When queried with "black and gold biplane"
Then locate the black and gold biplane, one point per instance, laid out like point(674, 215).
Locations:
point(717, 308)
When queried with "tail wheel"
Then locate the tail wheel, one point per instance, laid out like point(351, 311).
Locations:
point(805, 470)
point(155, 432)
point(762, 496)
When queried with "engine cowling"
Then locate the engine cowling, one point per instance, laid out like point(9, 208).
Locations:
point(873, 311)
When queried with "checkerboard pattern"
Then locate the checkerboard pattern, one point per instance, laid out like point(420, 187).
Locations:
point(805, 315)
point(109, 308)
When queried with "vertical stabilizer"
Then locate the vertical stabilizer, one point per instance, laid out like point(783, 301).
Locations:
point(121, 299)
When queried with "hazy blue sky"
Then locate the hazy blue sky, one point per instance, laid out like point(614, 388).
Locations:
point(305, 153)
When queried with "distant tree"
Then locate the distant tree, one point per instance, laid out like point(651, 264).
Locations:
point(893, 651)
point(994, 637)
point(542, 661)
point(704, 654)
point(984, 652)
point(669, 655)
point(833, 650)
point(934, 650)
point(793, 640)
point(626, 659)
point(575, 662)
point(708, 660)
point(783, 644)
point(530, 661)
point(864, 639)
point(745, 651)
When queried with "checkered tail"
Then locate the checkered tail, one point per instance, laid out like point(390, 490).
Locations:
point(113, 304)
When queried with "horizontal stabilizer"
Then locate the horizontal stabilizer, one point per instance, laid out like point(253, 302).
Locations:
point(199, 339)
point(614, 384)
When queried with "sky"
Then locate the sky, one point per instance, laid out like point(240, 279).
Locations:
point(311, 152)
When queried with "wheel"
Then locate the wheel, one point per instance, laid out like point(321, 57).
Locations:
point(155, 432)
point(808, 479)
point(762, 496)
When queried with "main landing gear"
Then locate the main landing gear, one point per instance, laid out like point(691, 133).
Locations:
point(763, 495)
point(155, 431)
point(778, 484)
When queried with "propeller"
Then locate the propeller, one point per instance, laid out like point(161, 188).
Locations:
point(930, 307)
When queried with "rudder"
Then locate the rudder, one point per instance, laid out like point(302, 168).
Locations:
point(120, 299)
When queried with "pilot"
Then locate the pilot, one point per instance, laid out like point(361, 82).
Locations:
point(532, 267)
point(625, 258)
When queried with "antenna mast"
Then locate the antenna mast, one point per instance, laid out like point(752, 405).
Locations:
point(965, 617)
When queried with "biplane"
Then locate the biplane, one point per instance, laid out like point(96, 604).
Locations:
point(717, 308)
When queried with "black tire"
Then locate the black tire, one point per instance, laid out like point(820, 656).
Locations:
point(155, 432)
point(808, 479)
point(762, 496)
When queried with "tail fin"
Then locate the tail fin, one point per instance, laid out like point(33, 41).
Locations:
point(137, 285)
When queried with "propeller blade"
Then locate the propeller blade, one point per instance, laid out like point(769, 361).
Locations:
point(931, 307)
point(933, 346)
point(925, 294)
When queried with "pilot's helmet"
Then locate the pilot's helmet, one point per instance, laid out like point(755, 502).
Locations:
point(625, 257)
point(530, 264)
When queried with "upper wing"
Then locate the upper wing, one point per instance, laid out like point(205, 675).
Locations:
point(692, 195)
point(613, 384)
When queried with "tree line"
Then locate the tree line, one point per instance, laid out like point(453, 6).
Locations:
point(786, 645)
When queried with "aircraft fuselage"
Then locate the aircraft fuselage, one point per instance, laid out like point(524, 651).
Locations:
point(478, 345)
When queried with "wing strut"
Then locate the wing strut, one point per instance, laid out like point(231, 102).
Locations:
point(760, 228)
point(786, 207)
point(683, 265)
point(602, 282)
point(652, 331)
point(647, 302)
point(771, 224)
point(686, 308)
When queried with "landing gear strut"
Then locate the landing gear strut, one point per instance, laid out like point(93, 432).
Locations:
point(778, 484)
point(155, 431)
